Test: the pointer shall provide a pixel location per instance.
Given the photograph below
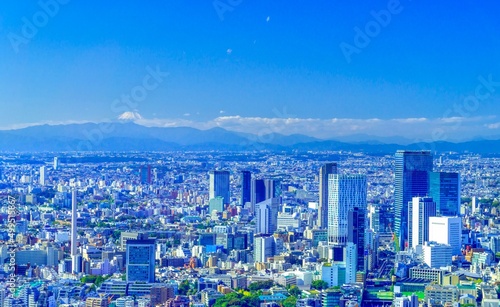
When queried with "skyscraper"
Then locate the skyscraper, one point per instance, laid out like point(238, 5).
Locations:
point(56, 163)
point(145, 174)
point(421, 209)
point(411, 179)
point(141, 260)
point(42, 175)
point(445, 190)
point(324, 171)
point(219, 185)
point(75, 260)
point(246, 187)
point(263, 189)
point(356, 233)
point(345, 192)
point(273, 188)
point(258, 192)
point(267, 215)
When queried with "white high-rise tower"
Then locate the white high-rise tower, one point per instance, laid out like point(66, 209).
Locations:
point(42, 175)
point(75, 260)
point(345, 192)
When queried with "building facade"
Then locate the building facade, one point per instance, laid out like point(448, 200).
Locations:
point(412, 170)
point(345, 192)
point(324, 171)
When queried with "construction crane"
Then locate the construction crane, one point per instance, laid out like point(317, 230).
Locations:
point(394, 239)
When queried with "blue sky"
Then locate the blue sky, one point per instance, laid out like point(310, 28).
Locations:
point(256, 66)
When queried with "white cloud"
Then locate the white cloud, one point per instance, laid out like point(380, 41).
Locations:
point(493, 126)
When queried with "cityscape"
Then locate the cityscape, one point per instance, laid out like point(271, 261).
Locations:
point(233, 153)
point(202, 228)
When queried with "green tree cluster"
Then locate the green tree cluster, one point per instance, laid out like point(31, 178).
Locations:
point(319, 285)
point(293, 290)
point(290, 301)
point(260, 285)
point(238, 299)
point(187, 288)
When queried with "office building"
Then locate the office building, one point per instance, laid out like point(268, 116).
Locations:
point(437, 255)
point(75, 260)
point(406, 301)
point(273, 188)
point(96, 302)
point(267, 216)
point(345, 192)
point(324, 171)
point(445, 190)
point(263, 189)
point(56, 163)
point(356, 234)
point(141, 260)
point(446, 230)
point(246, 187)
point(145, 174)
point(412, 170)
point(420, 210)
point(258, 192)
point(440, 295)
point(219, 185)
point(433, 275)
point(263, 246)
point(331, 297)
point(351, 262)
point(216, 204)
point(42, 175)
point(334, 274)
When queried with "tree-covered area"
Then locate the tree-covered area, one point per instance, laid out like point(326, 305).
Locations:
point(188, 288)
point(97, 280)
point(243, 298)
point(260, 285)
point(319, 285)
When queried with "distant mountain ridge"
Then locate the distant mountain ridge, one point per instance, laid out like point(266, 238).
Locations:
point(128, 136)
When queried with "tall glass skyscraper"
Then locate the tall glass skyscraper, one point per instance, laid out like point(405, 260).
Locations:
point(246, 187)
point(356, 221)
point(258, 191)
point(411, 179)
point(345, 192)
point(219, 185)
point(324, 171)
point(263, 189)
point(445, 190)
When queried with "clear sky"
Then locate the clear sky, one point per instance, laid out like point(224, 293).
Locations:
point(324, 68)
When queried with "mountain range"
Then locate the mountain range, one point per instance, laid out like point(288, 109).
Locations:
point(128, 136)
